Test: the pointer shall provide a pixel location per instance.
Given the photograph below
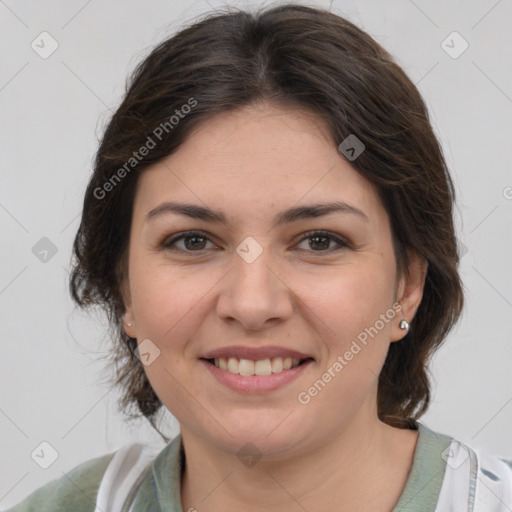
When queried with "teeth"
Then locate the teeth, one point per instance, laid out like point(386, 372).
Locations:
point(232, 365)
point(263, 367)
point(277, 364)
point(248, 368)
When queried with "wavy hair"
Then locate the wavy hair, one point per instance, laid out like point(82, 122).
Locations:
point(296, 56)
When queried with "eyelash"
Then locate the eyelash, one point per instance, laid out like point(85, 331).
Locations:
point(168, 243)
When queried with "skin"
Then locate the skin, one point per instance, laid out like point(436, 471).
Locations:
point(333, 453)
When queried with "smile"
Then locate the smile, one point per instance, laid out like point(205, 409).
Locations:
point(253, 377)
point(247, 367)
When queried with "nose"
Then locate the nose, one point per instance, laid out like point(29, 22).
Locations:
point(253, 294)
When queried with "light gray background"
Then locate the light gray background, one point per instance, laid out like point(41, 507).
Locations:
point(52, 113)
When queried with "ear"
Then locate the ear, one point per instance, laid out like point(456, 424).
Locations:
point(409, 292)
point(128, 315)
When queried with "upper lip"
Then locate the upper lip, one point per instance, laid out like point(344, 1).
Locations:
point(254, 353)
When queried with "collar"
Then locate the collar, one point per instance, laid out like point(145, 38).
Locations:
point(161, 489)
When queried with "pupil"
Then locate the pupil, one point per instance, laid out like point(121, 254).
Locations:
point(325, 245)
point(195, 238)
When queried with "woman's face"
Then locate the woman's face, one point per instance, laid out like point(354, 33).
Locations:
point(263, 282)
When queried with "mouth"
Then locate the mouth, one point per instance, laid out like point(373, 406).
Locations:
point(258, 368)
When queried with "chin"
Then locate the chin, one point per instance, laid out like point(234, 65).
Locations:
point(270, 439)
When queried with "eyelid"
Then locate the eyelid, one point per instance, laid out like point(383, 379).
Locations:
point(169, 241)
point(341, 241)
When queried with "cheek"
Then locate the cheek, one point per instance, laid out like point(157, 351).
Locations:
point(167, 299)
point(351, 296)
point(352, 307)
point(171, 301)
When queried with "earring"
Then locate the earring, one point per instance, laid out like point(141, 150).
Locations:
point(129, 325)
point(404, 324)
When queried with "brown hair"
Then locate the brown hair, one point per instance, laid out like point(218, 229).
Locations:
point(297, 56)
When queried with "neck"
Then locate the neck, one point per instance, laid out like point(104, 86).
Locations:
point(364, 466)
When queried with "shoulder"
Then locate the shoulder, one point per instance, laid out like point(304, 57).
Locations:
point(76, 490)
point(481, 477)
point(101, 484)
point(474, 479)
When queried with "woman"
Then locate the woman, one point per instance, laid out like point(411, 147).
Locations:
point(269, 227)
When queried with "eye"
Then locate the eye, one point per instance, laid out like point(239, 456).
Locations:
point(194, 241)
point(322, 239)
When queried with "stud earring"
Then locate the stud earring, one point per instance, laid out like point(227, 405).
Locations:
point(404, 324)
point(129, 325)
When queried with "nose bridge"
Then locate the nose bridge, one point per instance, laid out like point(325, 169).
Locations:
point(254, 293)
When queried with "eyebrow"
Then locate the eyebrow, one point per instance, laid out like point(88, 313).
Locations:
point(287, 216)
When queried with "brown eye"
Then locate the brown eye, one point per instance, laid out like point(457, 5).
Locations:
point(319, 241)
point(192, 242)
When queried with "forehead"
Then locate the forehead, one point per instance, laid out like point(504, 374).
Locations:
point(258, 157)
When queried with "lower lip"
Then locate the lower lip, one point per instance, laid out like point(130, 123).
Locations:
point(256, 383)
